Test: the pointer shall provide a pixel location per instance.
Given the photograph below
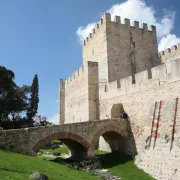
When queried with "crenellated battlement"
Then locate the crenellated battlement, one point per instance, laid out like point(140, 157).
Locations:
point(170, 53)
point(80, 73)
point(122, 72)
point(107, 20)
point(159, 76)
point(75, 75)
point(94, 30)
point(169, 50)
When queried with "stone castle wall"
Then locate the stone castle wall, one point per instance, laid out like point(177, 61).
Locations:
point(120, 49)
point(76, 96)
point(131, 49)
point(155, 127)
point(159, 153)
point(137, 98)
point(121, 62)
point(95, 48)
point(170, 54)
point(62, 101)
point(79, 95)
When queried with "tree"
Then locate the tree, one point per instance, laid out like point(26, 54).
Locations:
point(34, 100)
point(19, 103)
point(12, 97)
point(7, 86)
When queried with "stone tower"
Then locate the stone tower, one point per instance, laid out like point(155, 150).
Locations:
point(121, 50)
point(113, 51)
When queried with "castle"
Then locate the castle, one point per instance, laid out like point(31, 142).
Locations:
point(123, 71)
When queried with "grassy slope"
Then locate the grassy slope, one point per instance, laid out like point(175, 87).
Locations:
point(14, 166)
point(123, 166)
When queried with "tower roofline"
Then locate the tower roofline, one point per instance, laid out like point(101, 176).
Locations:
point(106, 18)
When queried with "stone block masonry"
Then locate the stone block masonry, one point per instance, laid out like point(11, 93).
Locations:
point(120, 49)
point(79, 95)
point(137, 98)
point(129, 74)
point(170, 54)
point(160, 154)
point(81, 138)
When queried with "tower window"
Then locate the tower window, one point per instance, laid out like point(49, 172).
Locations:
point(105, 88)
point(93, 52)
point(134, 44)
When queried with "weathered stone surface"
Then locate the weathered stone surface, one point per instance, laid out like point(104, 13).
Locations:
point(92, 165)
point(81, 138)
point(106, 174)
point(38, 176)
point(131, 76)
point(160, 152)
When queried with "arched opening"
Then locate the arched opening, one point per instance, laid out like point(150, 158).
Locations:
point(109, 138)
point(109, 141)
point(77, 150)
point(76, 144)
point(116, 110)
point(112, 141)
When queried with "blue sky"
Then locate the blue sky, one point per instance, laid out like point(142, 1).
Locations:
point(43, 36)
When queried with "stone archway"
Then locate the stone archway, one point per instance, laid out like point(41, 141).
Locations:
point(77, 145)
point(116, 110)
point(113, 135)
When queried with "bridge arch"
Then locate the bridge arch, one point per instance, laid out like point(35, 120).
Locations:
point(113, 135)
point(77, 145)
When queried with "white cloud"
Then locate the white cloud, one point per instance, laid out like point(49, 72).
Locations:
point(168, 41)
point(83, 32)
point(54, 119)
point(137, 10)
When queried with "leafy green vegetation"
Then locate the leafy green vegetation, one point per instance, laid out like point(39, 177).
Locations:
point(13, 99)
point(33, 100)
point(15, 166)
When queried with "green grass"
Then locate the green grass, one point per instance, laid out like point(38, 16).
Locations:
point(97, 152)
point(56, 141)
point(15, 166)
point(123, 166)
point(62, 149)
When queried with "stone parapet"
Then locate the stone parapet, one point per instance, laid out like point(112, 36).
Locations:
point(159, 77)
point(170, 54)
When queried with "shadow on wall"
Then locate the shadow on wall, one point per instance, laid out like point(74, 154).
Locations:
point(130, 142)
point(115, 141)
point(117, 111)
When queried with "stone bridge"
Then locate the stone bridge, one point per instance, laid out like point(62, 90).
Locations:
point(81, 138)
